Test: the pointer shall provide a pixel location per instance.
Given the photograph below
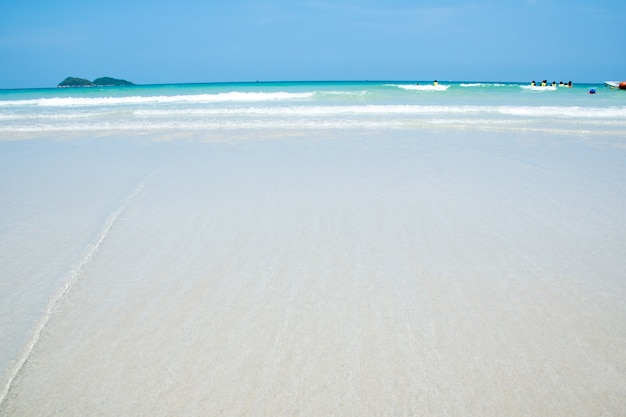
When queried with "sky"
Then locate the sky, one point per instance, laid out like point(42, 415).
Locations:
point(161, 41)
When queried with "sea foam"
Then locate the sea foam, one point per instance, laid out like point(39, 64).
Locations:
point(130, 100)
point(311, 106)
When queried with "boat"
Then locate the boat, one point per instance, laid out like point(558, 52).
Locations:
point(616, 84)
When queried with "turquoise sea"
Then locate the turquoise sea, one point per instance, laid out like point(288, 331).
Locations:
point(212, 108)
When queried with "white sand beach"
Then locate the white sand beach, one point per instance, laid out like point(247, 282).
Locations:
point(374, 273)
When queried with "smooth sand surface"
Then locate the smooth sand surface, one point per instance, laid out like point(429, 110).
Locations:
point(376, 274)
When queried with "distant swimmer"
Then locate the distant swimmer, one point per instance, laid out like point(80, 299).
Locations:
point(592, 91)
point(544, 83)
point(569, 84)
point(561, 84)
point(532, 83)
point(553, 83)
point(435, 82)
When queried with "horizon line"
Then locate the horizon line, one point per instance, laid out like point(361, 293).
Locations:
point(292, 81)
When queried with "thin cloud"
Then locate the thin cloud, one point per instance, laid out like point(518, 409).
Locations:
point(353, 9)
point(41, 38)
point(269, 13)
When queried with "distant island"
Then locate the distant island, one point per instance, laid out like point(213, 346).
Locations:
point(98, 82)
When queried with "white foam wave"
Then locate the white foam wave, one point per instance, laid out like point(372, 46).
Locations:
point(574, 112)
point(233, 96)
point(55, 115)
point(419, 87)
point(527, 111)
point(359, 93)
point(591, 127)
point(562, 112)
point(538, 87)
point(483, 85)
point(200, 125)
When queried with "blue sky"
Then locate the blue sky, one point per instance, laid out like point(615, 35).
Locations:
point(157, 41)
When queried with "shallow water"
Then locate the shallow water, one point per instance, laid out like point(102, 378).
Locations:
point(358, 273)
point(208, 109)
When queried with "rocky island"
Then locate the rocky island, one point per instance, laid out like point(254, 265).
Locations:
point(98, 82)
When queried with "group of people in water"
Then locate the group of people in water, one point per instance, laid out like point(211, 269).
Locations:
point(544, 83)
point(435, 83)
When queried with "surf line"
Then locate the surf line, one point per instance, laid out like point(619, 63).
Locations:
point(74, 274)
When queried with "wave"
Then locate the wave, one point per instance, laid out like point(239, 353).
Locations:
point(57, 115)
point(538, 88)
point(541, 112)
point(133, 100)
point(233, 96)
point(419, 87)
point(483, 85)
point(359, 93)
point(593, 127)
point(527, 111)
point(570, 112)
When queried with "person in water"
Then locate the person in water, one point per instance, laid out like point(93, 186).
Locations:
point(532, 83)
point(544, 83)
point(435, 82)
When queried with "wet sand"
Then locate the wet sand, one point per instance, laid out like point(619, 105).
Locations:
point(380, 273)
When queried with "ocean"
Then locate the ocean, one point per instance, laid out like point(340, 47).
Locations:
point(365, 248)
point(217, 107)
